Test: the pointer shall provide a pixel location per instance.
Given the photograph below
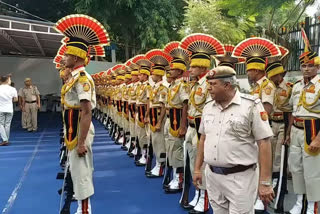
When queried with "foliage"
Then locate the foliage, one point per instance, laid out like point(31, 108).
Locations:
point(207, 17)
point(137, 25)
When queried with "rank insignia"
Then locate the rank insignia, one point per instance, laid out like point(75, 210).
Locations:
point(86, 86)
point(199, 92)
point(264, 115)
point(268, 90)
point(311, 89)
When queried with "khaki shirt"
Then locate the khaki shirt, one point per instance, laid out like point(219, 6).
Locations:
point(29, 94)
point(282, 97)
point(231, 133)
point(199, 96)
point(142, 93)
point(264, 90)
point(309, 107)
point(158, 95)
point(77, 90)
point(178, 92)
point(133, 92)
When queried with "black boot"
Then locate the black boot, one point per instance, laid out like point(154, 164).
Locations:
point(132, 146)
point(138, 155)
point(149, 159)
point(184, 201)
point(167, 176)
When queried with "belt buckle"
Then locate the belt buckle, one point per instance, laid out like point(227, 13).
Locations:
point(218, 170)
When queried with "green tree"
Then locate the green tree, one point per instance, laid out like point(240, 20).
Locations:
point(137, 25)
point(208, 17)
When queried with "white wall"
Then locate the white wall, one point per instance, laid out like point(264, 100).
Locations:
point(42, 72)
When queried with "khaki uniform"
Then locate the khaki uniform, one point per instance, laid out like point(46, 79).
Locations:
point(31, 108)
point(23, 113)
point(303, 165)
point(157, 96)
point(132, 106)
point(199, 96)
point(125, 112)
point(281, 105)
point(264, 90)
point(178, 92)
point(231, 135)
point(79, 87)
point(142, 100)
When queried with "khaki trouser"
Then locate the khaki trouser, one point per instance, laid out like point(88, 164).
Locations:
point(191, 143)
point(81, 169)
point(304, 167)
point(141, 134)
point(175, 151)
point(234, 193)
point(158, 143)
point(31, 116)
point(276, 142)
point(132, 125)
point(24, 123)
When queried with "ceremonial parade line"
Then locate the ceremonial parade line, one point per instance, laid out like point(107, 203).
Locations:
point(15, 192)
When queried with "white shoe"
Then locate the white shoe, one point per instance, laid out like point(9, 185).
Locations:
point(143, 159)
point(135, 151)
point(121, 140)
point(176, 184)
point(173, 177)
point(296, 209)
point(259, 205)
point(195, 199)
point(79, 210)
point(156, 170)
point(128, 144)
point(310, 209)
point(203, 203)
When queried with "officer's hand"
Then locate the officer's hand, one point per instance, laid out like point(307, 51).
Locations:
point(266, 193)
point(197, 179)
point(158, 127)
point(82, 150)
point(182, 132)
point(315, 145)
point(146, 120)
point(286, 140)
point(39, 106)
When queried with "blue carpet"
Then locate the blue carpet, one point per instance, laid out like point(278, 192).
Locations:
point(30, 164)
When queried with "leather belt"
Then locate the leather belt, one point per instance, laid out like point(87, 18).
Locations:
point(31, 101)
point(231, 170)
point(298, 123)
point(277, 117)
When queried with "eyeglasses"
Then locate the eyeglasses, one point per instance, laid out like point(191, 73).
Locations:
point(307, 66)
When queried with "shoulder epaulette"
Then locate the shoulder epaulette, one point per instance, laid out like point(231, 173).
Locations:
point(250, 97)
point(83, 77)
point(211, 100)
point(297, 82)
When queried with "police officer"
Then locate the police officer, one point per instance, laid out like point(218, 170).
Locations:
point(178, 96)
point(78, 99)
point(201, 47)
point(280, 118)
point(30, 104)
point(132, 107)
point(230, 127)
point(141, 108)
point(255, 50)
point(156, 111)
point(304, 158)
